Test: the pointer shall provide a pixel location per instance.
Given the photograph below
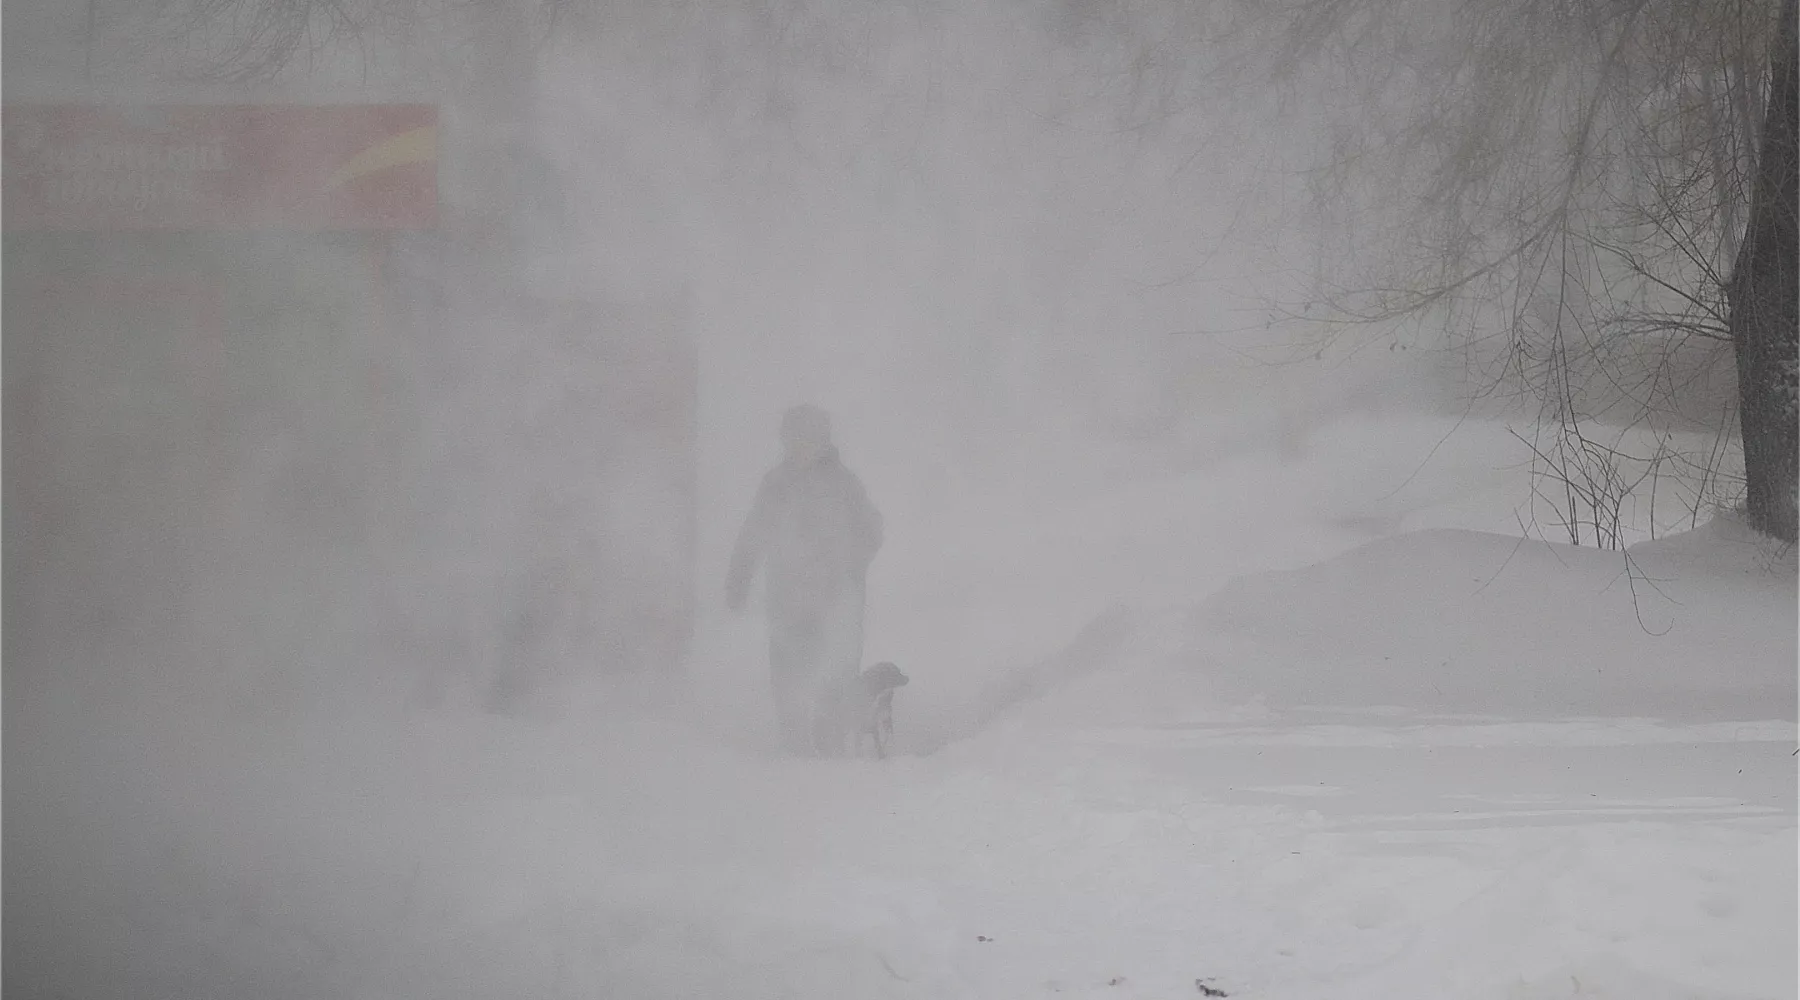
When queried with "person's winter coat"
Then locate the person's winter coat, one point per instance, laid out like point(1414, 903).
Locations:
point(812, 532)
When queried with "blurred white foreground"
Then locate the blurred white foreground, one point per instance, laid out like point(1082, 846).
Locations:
point(1445, 764)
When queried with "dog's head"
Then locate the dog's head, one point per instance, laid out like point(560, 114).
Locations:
point(883, 676)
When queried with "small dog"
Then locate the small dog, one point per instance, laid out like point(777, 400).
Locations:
point(860, 714)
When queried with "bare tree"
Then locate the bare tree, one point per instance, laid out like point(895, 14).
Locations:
point(1563, 191)
point(1570, 185)
point(1764, 326)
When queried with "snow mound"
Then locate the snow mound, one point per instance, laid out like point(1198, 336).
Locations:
point(1697, 627)
point(1723, 547)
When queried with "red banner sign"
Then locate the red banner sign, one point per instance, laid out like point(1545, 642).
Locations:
point(100, 167)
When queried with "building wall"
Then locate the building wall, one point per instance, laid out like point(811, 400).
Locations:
point(287, 469)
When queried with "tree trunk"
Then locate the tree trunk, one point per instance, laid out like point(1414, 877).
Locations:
point(1765, 304)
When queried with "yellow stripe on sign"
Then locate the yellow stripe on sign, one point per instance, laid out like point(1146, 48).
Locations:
point(417, 145)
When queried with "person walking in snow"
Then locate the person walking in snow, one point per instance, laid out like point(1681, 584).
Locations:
point(813, 533)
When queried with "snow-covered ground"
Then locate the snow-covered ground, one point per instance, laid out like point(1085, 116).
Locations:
point(1238, 729)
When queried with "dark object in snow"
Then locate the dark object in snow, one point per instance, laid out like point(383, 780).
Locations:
point(811, 535)
point(1209, 991)
point(860, 715)
point(1116, 981)
point(983, 937)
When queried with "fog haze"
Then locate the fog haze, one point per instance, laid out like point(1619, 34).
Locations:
point(365, 588)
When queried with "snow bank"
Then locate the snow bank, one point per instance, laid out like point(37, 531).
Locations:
point(1701, 626)
point(1443, 764)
